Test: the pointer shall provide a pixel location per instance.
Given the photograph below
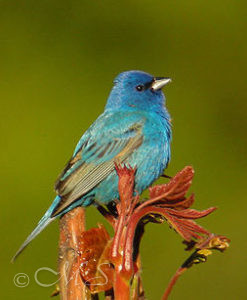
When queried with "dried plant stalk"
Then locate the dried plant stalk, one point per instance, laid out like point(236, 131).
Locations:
point(71, 286)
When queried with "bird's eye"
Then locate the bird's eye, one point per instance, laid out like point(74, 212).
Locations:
point(140, 88)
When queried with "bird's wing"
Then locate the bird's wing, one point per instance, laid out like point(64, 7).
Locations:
point(94, 159)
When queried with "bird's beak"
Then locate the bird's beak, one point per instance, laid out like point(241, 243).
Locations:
point(159, 82)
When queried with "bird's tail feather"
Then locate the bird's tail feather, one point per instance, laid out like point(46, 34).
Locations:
point(45, 220)
point(42, 224)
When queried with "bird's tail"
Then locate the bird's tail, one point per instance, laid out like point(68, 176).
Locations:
point(45, 220)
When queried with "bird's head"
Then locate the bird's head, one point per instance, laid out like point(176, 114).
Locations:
point(136, 90)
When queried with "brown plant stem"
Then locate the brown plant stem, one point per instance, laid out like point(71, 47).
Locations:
point(137, 292)
point(72, 224)
point(172, 282)
point(121, 287)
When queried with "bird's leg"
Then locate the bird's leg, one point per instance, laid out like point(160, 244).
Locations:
point(166, 176)
point(106, 213)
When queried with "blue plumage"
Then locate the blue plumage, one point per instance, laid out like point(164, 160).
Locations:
point(134, 128)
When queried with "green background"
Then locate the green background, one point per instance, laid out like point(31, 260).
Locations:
point(57, 63)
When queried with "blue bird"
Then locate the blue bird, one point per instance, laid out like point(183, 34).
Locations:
point(134, 128)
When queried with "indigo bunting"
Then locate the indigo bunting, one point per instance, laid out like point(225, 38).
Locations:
point(134, 128)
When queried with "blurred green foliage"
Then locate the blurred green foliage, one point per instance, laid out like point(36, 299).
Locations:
point(58, 59)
